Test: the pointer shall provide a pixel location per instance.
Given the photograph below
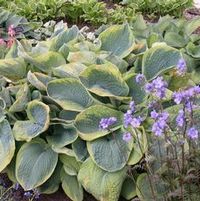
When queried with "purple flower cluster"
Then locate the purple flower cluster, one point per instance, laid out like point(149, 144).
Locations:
point(160, 123)
point(181, 67)
point(157, 87)
point(180, 119)
point(106, 122)
point(140, 79)
point(193, 133)
point(186, 95)
point(129, 119)
point(33, 193)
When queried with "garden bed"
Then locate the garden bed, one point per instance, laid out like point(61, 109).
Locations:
point(109, 115)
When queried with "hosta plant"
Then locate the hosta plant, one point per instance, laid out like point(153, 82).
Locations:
point(20, 24)
point(74, 112)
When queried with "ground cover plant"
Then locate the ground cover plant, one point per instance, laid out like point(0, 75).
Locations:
point(94, 12)
point(106, 115)
point(160, 7)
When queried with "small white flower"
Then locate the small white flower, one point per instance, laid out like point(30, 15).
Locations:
point(197, 3)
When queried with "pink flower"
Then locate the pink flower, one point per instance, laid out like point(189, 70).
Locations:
point(11, 31)
point(10, 42)
point(2, 42)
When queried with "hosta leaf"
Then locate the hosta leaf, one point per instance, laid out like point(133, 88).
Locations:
point(108, 184)
point(22, 98)
point(35, 163)
point(104, 80)
point(10, 170)
point(70, 164)
point(70, 94)
point(52, 184)
point(110, 152)
point(158, 59)
point(12, 53)
point(64, 150)
point(7, 144)
point(68, 115)
point(193, 50)
point(38, 80)
point(129, 189)
point(13, 69)
point(84, 57)
point(69, 70)
point(71, 186)
point(38, 114)
point(87, 122)
point(140, 146)
point(117, 61)
point(45, 61)
point(5, 97)
point(144, 188)
point(80, 149)
point(136, 91)
point(64, 37)
point(62, 135)
point(118, 39)
point(192, 25)
point(175, 40)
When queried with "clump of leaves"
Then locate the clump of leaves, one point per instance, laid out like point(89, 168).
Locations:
point(160, 7)
point(65, 108)
point(20, 25)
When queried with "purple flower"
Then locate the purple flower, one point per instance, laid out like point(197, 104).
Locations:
point(180, 119)
point(136, 122)
point(153, 105)
point(178, 97)
point(128, 115)
point(181, 67)
point(140, 78)
point(154, 114)
point(28, 194)
point(158, 87)
point(189, 106)
point(132, 106)
point(36, 193)
point(149, 87)
point(164, 116)
point(106, 122)
point(16, 186)
point(196, 89)
point(160, 123)
point(127, 119)
point(193, 133)
point(127, 137)
point(186, 95)
point(156, 129)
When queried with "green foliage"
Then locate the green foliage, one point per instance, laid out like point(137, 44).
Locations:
point(160, 7)
point(22, 26)
point(93, 11)
point(54, 94)
point(75, 11)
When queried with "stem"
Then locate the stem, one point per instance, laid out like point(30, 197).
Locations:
point(147, 166)
point(151, 185)
point(6, 191)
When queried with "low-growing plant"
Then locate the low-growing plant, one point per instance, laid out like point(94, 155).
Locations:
point(160, 7)
point(19, 24)
point(74, 112)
